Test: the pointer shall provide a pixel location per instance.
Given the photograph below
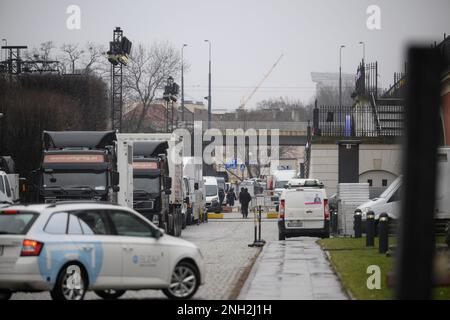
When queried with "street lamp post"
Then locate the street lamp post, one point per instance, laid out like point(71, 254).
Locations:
point(182, 82)
point(209, 86)
point(340, 75)
point(6, 44)
point(364, 50)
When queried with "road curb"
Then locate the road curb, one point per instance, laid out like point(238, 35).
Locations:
point(344, 289)
point(272, 215)
point(215, 215)
point(244, 280)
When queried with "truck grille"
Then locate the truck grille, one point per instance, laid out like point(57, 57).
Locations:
point(145, 205)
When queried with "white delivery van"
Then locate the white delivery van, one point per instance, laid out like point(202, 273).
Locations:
point(211, 194)
point(280, 178)
point(389, 200)
point(303, 212)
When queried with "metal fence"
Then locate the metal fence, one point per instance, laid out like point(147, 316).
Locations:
point(359, 121)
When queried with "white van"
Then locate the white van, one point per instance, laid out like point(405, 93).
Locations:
point(303, 212)
point(389, 201)
point(211, 193)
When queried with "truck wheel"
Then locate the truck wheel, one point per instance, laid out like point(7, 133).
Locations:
point(183, 221)
point(188, 218)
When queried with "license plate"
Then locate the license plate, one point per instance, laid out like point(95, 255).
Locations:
point(296, 224)
point(1, 250)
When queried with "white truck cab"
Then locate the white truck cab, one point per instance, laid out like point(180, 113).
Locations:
point(304, 210)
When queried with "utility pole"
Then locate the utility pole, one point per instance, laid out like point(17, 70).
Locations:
point(209, 86)
point(182, 82)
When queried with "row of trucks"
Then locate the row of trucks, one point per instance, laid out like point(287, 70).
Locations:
point(143, 171)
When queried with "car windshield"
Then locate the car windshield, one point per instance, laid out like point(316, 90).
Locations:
point(211, 190)
point(93, 179)
point(389, 189)
point(147, 183)
point(15, 223)
point(280, 184)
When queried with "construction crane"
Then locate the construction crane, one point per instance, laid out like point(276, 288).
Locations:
point(244, 101)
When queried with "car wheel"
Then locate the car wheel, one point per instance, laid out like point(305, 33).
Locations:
point(281, 235)
point(71, 283)
point(5, 294)
point(110, 294)
point(184, 282)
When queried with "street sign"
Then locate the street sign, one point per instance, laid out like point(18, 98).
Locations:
point(232, 164)
point(260, 200)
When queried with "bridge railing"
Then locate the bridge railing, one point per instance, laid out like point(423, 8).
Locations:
point(299, 127)
point(359, 121)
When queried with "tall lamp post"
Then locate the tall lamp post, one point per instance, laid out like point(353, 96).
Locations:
point(6, 44)
point(340, 75)
point(364, 50)
point(209, 86)
point(182, 82)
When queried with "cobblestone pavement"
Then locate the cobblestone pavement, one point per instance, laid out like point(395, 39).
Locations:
point(295, 269)
point(224, 244)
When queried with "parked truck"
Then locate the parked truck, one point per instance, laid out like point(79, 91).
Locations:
point(78, 165)
point(157, 179)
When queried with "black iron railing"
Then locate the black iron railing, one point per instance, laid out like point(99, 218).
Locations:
point(359, 121)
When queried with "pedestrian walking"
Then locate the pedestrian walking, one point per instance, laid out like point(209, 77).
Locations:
point(231, 196)
point(244, 199)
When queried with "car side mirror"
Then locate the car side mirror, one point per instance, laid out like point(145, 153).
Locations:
point(159, 233)
point(115, 178)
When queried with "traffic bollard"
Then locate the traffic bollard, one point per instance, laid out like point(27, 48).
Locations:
point(370, 229)
point(357, 223)
point(383, 233)
point(334, 222)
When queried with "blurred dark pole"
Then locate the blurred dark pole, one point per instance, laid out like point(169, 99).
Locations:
point(209, 86)
point(414, 267)
point(182, 82)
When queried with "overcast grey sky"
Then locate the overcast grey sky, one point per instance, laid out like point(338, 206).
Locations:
point(247, 37)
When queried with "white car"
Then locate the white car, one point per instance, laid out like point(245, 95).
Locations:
point(69, 248)
point(304, 212)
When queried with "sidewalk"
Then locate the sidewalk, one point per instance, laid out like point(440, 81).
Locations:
point(295, 269)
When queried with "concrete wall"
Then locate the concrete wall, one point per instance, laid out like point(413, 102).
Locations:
point(376, 162)
point(324, 165)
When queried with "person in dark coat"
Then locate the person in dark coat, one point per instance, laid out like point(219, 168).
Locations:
point(221, 196)
point(244, 199)
point(231, 196)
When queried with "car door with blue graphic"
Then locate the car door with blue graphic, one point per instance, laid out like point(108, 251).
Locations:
point(145, 258)
point(100, 249)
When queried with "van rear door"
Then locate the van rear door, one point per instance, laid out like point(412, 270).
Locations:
point(304, 208)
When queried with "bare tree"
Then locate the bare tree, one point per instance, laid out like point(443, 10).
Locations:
point(71, 54)
point(146, 75)
point(94, 60)
point(43, 53)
